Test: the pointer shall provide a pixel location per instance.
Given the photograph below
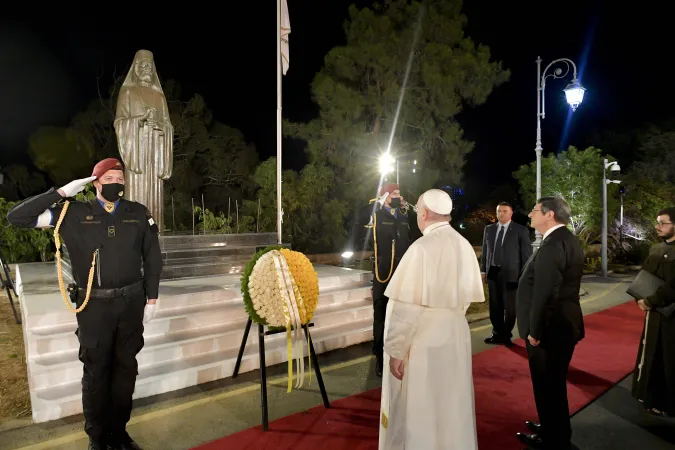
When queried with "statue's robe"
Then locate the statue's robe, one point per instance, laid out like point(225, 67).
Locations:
point(147, 152)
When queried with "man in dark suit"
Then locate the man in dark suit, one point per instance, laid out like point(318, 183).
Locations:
point(550, 320)
point(506, 249)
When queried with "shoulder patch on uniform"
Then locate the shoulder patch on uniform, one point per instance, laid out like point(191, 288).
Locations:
point(151, 221)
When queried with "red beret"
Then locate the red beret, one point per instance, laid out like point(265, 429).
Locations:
point(106, 165)
point(390, 187)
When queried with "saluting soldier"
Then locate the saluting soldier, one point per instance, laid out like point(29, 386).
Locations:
point(391, 239)
point(116, 262)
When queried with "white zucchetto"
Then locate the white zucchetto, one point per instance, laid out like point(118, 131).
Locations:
point(437, 201)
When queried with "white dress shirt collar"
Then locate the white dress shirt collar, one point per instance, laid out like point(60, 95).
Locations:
point(552, 229)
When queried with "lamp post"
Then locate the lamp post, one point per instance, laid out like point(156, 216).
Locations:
point(615, 169)
point(574, 93)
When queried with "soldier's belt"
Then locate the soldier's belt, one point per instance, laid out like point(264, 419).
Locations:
point(114, 293)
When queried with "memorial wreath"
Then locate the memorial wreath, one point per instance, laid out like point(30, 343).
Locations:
point(281, 290)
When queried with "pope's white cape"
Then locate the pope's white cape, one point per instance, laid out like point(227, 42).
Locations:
point(285, 31)
point(432, 408)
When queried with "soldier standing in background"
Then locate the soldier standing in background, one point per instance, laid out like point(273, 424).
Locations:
point(391, 239)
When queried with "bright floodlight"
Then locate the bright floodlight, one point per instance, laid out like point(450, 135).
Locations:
point(386, 164)
point(347, 254)
point(575, 94)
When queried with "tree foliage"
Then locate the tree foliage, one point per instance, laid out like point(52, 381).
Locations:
point(575, 176)
point(23, 244)
point(650, 183)
point(359, 88)
point(19, 182)
point(311, 220)
point(63, 153)
point(210, 159)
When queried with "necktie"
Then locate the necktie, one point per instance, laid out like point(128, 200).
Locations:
point(497, 259)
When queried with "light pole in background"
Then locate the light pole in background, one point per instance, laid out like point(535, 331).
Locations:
point(614, 169)
point(574, 94)
point(388, 164)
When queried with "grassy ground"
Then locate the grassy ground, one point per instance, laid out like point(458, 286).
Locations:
point(14, 395)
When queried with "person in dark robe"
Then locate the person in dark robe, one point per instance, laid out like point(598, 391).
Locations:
point(654, 375)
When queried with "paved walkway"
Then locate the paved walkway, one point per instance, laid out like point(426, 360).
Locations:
point(184, 419)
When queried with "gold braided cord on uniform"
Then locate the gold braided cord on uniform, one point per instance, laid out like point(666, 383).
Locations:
point(393, 248)
point(59, 270)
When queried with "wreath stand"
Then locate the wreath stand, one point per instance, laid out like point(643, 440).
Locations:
point(263, 369)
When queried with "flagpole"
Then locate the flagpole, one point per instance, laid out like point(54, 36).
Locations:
point(279, 210)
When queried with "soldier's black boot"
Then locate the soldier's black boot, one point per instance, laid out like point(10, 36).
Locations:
point(379, 363)
point(123, 442)
point(97, 444)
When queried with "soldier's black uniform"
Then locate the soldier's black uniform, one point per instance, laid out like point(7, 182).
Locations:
point(390, 225)
point(110, 328)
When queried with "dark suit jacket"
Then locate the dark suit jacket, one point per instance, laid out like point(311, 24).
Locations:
point(547, 302)
point(516, 247)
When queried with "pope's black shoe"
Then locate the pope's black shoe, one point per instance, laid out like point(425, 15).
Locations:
point(123, 442)
point(533, 427)
point(379, 365)
point(97, 444)
point(531, 440)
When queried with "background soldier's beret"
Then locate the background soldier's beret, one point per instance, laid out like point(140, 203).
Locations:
point(389, 187)
point(106, 165)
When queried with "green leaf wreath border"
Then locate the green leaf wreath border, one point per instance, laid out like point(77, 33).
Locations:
point(248, 303)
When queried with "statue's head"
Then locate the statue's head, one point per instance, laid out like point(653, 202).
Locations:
point(144, 66)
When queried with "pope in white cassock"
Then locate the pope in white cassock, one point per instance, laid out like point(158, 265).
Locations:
point(427, 394)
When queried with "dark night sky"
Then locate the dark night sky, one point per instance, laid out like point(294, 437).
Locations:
point(48, 70)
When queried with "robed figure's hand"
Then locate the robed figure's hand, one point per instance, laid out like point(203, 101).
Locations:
point(397, 367)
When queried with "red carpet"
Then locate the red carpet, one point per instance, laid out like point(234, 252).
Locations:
point(503, 394)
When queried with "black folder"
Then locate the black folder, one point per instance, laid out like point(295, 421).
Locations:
point(645, 285)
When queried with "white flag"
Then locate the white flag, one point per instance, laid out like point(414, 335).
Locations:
point(285, 31)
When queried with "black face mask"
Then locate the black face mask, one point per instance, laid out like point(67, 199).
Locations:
point(112, 192)
point(395, 202)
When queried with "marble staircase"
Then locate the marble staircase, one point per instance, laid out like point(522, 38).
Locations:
point(193, 339)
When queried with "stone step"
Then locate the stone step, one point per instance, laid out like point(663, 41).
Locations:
point(206, 256)
point(172, 293)
point(186, 317)
point(56, 401)
point(64, 367)
point(193, 339)
point(55, 339)
point(194, 270)
point(168, 242)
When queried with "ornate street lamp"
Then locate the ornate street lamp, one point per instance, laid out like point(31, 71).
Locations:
point(574, 94)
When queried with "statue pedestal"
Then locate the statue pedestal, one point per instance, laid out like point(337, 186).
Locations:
point(200, 255)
